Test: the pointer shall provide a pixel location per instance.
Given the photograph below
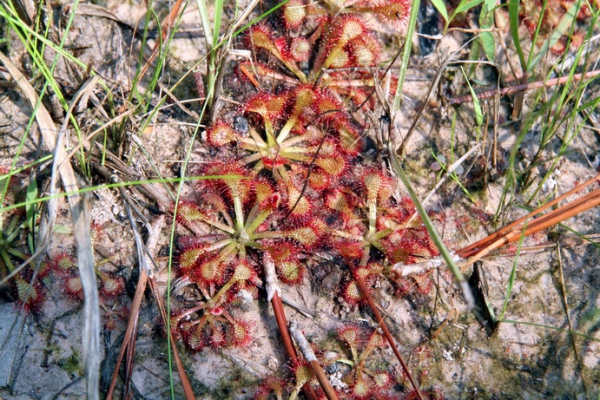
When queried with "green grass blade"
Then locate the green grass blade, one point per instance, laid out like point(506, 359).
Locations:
point(217, 26)
point(412, 23)
point(513, 274)
point(435, 237)
point(567, 20)
point(513, 15)
point(31, 212)
point(204, 17)
point(583, 335)
point(486, 21)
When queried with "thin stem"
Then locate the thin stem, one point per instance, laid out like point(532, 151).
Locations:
point(365, 291)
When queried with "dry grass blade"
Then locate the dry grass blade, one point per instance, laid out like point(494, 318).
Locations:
point(80, 212)
point(129, 338)
point(185, 383)
point(146, 274)
point(146, 189)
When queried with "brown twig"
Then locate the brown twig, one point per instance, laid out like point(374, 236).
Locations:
point(512, 231)
point(521, 88)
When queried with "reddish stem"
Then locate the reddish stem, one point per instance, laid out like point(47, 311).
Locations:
point(287, 341)
point(483, 244)
point(365, 291)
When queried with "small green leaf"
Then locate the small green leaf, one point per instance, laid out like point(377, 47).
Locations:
point(466, 5)
point(440, 5)
point(489, 45)
point(63, 229)
point(30, 211)
point(486, 21)
point(476, 104)
point(218, 12)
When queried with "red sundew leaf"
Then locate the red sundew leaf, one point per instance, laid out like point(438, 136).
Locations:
point(344, 28)
point(270, 384)
point(189, 213)
point(407, 245)
point(423, 282)
point(269, 106)
point(300, 49)
point(352, 335)
point(261, 36)
point(189, 257)
point(344, 204)
point(264, 193)
point(392, 11)
point(240, 334)
point(221, 134)
point(375, 341)
point(349, 137)
point(383, 380)
point(294, 13)
point(331, 158)
point(208, 269)
point(290, 272)
point(217, 337)
point(31, 296)
point(281, 251)
point(362, 388)
point(112, 285)
point(303, 373)
point(73, 287)
point(243, 272)
point(319, 180)
point(397, 218)
point(334, 165)
point(339, 58)
point(194, 336)
point(302, 99)
point(282, 45)
point(237, 184)
point(327, 106)
point(309, 235)
point(377, 185)
point(351, 293)
point(365, 51)
point(349, 249)
point(299, 206)
point(62, 262)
